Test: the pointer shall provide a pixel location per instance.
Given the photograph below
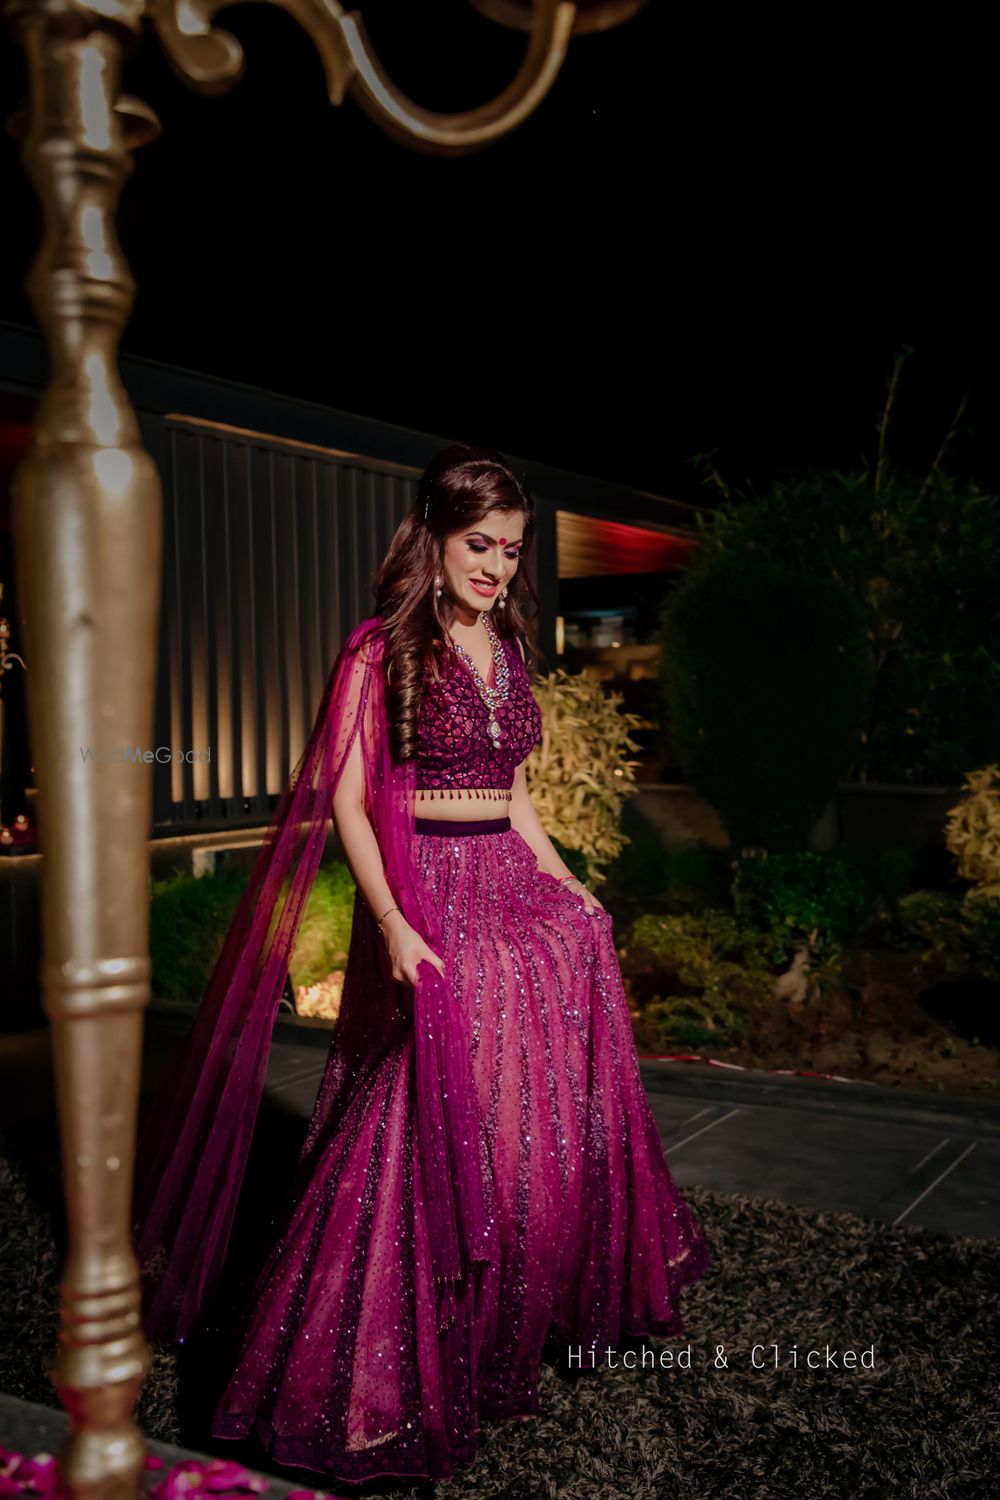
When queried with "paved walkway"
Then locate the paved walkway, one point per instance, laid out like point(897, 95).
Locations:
point(886, 1154)
point(898, 1156)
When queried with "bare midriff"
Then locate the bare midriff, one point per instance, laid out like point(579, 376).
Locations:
point(463, 804)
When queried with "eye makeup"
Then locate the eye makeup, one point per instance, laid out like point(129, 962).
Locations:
point(514, 551)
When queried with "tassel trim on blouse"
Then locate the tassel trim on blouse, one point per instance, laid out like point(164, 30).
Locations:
point(485, 793)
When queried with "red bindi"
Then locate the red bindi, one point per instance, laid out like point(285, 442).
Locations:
point(502, 540)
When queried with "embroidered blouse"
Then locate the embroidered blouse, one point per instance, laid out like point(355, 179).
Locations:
point(454, 751)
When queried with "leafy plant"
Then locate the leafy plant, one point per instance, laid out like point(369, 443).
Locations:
point(695, 942)
point(888, 870)
point(689, 873)
point(580, 774)
point(973, 834)
point(984, 925)
point(699, 1020)
point(709, 971)
point(799, 896)
point(706, 960)
point(191, 915)
point(963, 937)
point(765, 675)
point(324, 935)
point(920, 554)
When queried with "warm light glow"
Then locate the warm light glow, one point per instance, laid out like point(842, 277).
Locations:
point(591, 548)
point(383, 465)
point(322, 998)
point(248, 699)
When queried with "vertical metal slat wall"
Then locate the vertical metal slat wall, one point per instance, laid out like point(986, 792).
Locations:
point(270, 553)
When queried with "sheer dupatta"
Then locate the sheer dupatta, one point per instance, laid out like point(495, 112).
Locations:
point(193, 1146)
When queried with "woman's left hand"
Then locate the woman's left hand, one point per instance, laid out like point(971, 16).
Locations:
point(578, 888)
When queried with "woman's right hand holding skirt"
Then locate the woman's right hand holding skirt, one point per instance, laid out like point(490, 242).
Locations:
point(407, 948)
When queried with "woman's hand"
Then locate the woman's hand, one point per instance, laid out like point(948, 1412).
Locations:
point(406, 948)
point(578, 888)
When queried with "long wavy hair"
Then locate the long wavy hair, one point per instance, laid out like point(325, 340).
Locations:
point(459, 487)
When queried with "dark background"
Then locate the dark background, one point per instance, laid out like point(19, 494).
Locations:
point(715, 233)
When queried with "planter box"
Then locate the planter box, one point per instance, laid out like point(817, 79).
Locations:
point(881, 813)
point(676, 813)
point(856, 816)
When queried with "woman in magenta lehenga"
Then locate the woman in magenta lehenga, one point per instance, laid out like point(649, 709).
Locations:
point(482, 1175)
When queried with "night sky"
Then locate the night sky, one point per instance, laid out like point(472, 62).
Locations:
point(715, 233)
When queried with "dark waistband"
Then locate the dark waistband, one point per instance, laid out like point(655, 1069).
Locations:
point(467, 826)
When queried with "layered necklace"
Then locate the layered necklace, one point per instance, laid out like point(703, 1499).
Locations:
point(491, 696)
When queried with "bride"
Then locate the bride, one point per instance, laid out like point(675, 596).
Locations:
point(482, 1178)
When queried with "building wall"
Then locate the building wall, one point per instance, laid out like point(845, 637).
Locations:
point(270, 553)
point(277, 513)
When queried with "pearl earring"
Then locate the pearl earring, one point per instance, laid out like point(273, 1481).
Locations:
point(503, 595)
point(439, 588)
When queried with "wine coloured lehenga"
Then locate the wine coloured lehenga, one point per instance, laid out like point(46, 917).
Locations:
point(539, 1160)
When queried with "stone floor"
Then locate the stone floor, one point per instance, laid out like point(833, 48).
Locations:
point(900, 1156)
point(894, 1155)
point(886, 1154)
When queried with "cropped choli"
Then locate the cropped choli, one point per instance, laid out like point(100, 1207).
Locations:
point(454, 750)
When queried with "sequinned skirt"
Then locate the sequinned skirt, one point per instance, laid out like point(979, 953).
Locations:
point(342, 1369)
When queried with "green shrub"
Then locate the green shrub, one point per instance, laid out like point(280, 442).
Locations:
point(765, 676)
point(704, 1020)
point(325, 932)
point(973, 835)
point(188, 922)
point(963, 937)
point(919, 554)
point(708, 971)
point(888, 871)
point(190, 916)
point(799, 896)
point(984, 926)
point(698, 943)
point(581, 772)
point(690, 874)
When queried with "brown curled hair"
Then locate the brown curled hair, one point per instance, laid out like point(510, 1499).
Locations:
point(460, 486)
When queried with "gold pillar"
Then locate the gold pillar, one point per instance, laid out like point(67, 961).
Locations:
point(87, 530)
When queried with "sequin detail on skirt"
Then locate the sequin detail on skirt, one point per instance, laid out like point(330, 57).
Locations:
point(342, 1370)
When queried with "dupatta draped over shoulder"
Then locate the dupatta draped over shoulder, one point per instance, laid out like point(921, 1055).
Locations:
point(195, 1139)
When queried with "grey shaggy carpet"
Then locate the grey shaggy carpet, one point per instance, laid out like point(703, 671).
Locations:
point(922, 1423)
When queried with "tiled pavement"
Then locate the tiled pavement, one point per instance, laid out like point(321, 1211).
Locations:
point(885, 1154)
point(892, 1155)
